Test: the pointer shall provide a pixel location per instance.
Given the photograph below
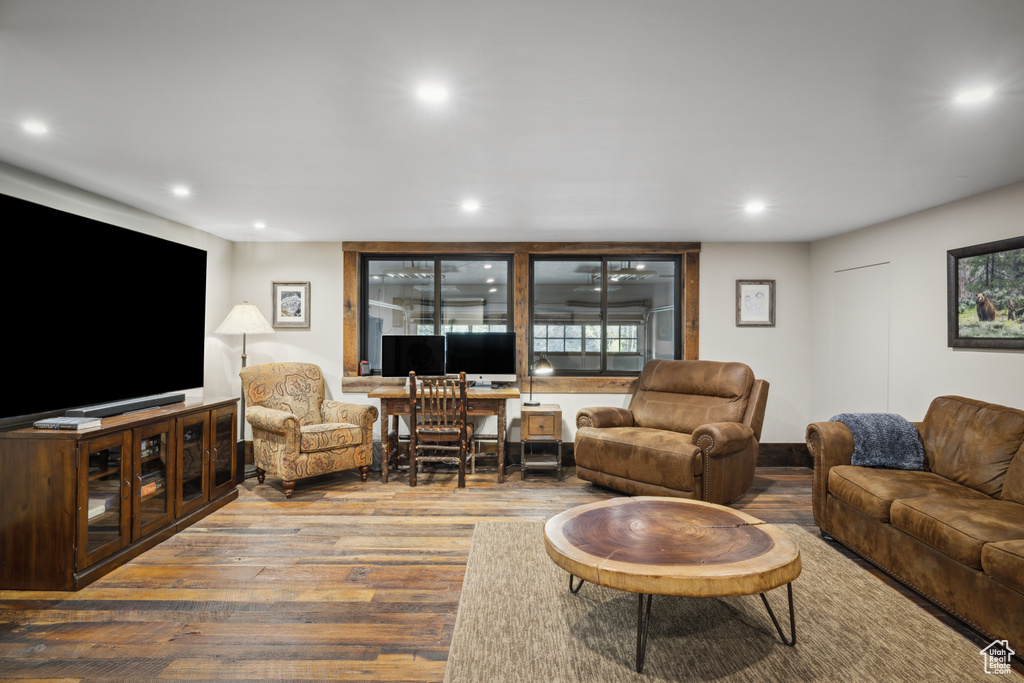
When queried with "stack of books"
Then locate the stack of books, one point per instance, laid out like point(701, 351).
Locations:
point(75, 423)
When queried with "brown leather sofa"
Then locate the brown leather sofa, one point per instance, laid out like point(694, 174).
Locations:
point(954, 532)
point(691, 431)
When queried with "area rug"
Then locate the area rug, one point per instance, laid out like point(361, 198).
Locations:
point(517, 621)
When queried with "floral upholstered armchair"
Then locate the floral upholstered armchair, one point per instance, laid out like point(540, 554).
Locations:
point(296, 432)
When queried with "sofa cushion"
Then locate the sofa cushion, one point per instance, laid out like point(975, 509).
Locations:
point(972, 442)
point(1004, 562)
point(872, 491)
point(651, 456)
point(329, 436)
point(960, 527)
point(683, 395)
point(1013, 484)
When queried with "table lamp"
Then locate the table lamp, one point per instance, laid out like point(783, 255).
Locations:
point(541, 367)
point(244, 319)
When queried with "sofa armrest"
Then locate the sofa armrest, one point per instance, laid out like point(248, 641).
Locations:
point(604, 416)
point(270, 420)
point(721, 438)
point(831, 444)
point(350, 413)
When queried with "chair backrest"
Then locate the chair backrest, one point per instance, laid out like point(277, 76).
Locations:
point(681, 395)
point(296, 388)
point(441, 405)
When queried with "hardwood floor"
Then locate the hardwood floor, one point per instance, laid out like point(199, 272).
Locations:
point(346, 581)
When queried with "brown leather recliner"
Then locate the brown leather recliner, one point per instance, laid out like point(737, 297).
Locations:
point(691, 431)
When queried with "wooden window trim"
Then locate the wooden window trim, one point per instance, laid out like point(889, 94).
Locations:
point(352, 253)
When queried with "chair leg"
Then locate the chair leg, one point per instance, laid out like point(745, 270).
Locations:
point(289, 488)
point(364, 472)
point(260, 475)
point(413, 462)
point(462, 466)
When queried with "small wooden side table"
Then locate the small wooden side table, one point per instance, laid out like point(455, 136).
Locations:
point(541, 425)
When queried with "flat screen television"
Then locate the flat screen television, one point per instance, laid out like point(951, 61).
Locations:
point(401, 354)
point(485, 357)
point(95, 313)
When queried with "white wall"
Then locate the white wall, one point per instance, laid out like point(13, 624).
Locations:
point(778, 354)
point(25, 185)
point(921, 365)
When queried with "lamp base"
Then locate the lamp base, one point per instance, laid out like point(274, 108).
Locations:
point(531, 403)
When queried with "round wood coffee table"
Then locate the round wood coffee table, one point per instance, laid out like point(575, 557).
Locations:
point(673, 546)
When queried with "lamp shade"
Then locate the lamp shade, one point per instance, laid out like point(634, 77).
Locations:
point(543, 366)
point(245, 318)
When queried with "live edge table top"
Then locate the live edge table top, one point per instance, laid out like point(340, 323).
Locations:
point(671, 546)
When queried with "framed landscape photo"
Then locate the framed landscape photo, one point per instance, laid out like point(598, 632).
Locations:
point(985, 295)
point(291, 305)
point(755, 303)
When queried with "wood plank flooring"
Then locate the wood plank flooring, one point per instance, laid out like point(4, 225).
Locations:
point(347, 581)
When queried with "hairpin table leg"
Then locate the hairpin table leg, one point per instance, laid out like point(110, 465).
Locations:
point(643, 620)
point(578, 586)
point(792, 617)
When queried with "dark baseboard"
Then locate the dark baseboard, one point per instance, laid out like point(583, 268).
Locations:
point(784, 455)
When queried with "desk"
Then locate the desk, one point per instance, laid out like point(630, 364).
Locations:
point(394, 402)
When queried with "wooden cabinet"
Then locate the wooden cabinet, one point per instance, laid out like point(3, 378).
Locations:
point(541, 426)
point(207, 463)
point(75, 505)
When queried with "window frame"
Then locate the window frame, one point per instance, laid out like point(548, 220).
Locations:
point(364, 286)
point(604, 259)
point(352, 317)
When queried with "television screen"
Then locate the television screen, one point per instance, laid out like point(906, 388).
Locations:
point(96, 313)
point(483, 356)
point(401, 354)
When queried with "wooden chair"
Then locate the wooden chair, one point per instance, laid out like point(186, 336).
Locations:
point(439, 430)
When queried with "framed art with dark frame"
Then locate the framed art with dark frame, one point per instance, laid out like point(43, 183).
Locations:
point(985, 295)
point(290, 305)
point(755, 303)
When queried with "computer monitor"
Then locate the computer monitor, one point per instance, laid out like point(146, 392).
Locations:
point(401, 354)
point(485, 357)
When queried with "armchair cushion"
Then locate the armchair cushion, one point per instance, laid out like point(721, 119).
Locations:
point(652, 456)
point(683, 395)
point(326, 437)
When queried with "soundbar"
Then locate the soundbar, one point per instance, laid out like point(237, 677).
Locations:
point(127, 406)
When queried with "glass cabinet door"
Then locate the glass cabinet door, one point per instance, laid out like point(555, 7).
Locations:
point(224, 459)
point(104, 497)
point(193, 445)
point(153, 477)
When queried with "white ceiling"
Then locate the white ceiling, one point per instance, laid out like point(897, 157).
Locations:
point(570, 120)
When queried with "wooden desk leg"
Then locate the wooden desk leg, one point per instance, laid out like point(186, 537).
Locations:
point(385, 446)
point(501, 442)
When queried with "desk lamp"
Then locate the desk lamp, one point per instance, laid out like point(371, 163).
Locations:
point(541, 367)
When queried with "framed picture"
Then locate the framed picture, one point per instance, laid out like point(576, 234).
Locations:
point(755, 303)
point(985, 295)
point(291, 305)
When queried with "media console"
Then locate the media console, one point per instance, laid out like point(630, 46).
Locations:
point(74, 505)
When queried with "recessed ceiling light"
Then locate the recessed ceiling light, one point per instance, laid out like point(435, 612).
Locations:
point(754, 207)
point(35, 127)
point(487, 265)
point(432, 93)
point(493, 289)
point(470, 205)
point(181, 191)
point(490, 280)
point(259, 225)
point(974, 95)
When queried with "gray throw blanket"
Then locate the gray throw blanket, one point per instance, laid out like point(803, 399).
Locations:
point(883, 440)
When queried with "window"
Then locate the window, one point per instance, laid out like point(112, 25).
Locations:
point(604, 315)
point(666, 326)
point(433, 295)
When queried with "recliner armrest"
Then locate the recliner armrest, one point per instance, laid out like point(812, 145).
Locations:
point(270, 420)
point(831, 444)
point(350, 413)
point(604, 416)
point(721, 438)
